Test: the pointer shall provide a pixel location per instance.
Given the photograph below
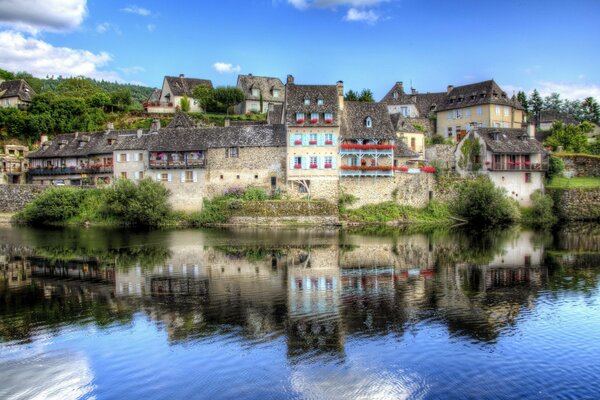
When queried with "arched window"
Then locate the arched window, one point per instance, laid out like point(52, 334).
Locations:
point(368, 122)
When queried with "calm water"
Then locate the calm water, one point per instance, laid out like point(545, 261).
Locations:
point(307, 314)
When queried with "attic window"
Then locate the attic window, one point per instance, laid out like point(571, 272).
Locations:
point(255, 92)
point(110, 141)
point(368, 122)
point(395, 95)
point(275, 92)
point(319, 101)
point(482, 95)
point(81, 143)
point(496, 135)
point(306, 101)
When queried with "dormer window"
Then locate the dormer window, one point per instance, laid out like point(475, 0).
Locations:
point(299, 118)
point(255, 92)
point(307, 101)
point(319, 101)
point(328, 117)
point(110, 141)
point(395, 95)
point(368, 122)
point(275, 92)
point(81, 143)
point(314, 117)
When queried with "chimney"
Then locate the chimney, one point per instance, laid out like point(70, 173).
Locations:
point(43, 138)
point(181, 76)
point(290, 79)
point(340, 92)
point(226, 122)
point(450, 87)
point(139, 133)
point(401, 85)
point(110, 126)
point(413, 91)
point(531, 130)
point(155, 127)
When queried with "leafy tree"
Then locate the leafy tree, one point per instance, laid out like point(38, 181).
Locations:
point(366, 95)
point(185, 104)
point(569, 137)
point(52, 206)
point(594, 147)
point(541, 213)
point(77, 87)
point(535, 102)
point(590, 110)
point(6, 75)
point(35, 83)
point(121, 98)
point(522, 97)
point(100, 100)
point(203, 94)
point(227, 96)
point(556, 166)
point(573, 109)
point(553, 102)
point(351, 95)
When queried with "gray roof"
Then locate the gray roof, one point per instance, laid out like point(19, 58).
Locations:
point(154, 96)
point(549, 116)
point(295, 95)
point(510, 141)
point(354, 116)
point(78, 145)
point(16, 88)
point(402, 150)
point(424, 102)
point(402, 124)
point(181, 86)
point(275, 115)
point(181, 120)
point(265, 84)
point(486, 92)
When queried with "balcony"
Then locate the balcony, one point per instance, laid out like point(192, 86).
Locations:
point(163, 104)
point(71, 171)
point(366, 149)
point(160, 164)
point(364, 170)
point(517, 166)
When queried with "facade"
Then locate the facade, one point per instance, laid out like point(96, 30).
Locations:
point(406, 132)
point(512, 158)
point(256, 88)
point(312, 116)
point(367, 141)
point(174, 89)
point(484, 104)
point(15, 93)
point(13, 164)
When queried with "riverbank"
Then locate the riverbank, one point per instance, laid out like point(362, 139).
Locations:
point(5, 218)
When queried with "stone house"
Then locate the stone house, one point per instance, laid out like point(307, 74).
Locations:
point(76, 159)
point(413, 138)
point(174, 89)
point(313, 128)
point(545, 118)
point(512, 158)
point(13, 164)
point(256, 88)
point(15, 93)
point(484, 104)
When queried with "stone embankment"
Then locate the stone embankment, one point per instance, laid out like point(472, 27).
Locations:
point(581, 164)
point(577, 204)
point(14, 197)
point(285, 213)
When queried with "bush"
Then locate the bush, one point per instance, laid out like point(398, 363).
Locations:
point(144, 204)
point(555, 167)
point(346, 199)
point(541, 213)
point(483, 204)
point(438, 139)
point(255, 194)
point(53, 206)
point(235, 192)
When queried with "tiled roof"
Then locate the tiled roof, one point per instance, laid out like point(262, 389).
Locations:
point(549, 116)
point(402, 150)
point(79, 145)
point(402, 124)
point(510, 141)
point(424, 102)
point(181, 86)
point(295, 96)
point(486, 92)
point(354, 116)
point(266, 85)
point(181, 120)
point(154, 96)
point(16, 88)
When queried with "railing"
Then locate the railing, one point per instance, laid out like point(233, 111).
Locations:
point(17, 169)
point(156, 164)
point(71, 171)
point(158, 104)
point(518, 166)
point(367, 170)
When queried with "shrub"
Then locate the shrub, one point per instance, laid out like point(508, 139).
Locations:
point(254, 194)
point(438, 139)
point(213, 211)
point(55, 205)
point(144, 204)
point(482, 204)
point(185, 104)
point(236, 192)
point(346, 199)
point(555, 167)
point(541, 212)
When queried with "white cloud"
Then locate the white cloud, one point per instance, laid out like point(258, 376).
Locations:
point(224, 68)
point(303, 4)
point(355, 15)
point(36, 15)
point(107, 26)
point(132, 70)
point(151, 27)
point(144, 12)
point(570, 91)
point(20, 53)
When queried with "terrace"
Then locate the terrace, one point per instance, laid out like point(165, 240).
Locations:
point(177, 160)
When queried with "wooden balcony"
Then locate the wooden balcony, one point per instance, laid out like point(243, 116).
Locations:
point(71, 171)
point(189, 164)
point(516, 166)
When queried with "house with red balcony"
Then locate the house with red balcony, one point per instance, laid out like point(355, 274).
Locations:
point(512, 158)
point(367, 140)
point(312, 116)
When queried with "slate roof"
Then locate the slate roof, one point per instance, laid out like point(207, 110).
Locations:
point(181, 86)
point(402, 150)
point(16, 88)
point(510, 141)
point(486, 92)
point(353, 118)
point(295, 95)
point(78, 145)
point(181, 120)
point(265, 84)
point(402, 124)
point(154, 96)
point(424, 102)
point(549, 116)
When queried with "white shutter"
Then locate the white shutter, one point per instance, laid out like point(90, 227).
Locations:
point(320, 162)
point(158, 177)
point(127, 157)
point(170, 176)
point(136, 175)
point(333, 162)
point(292, 163)
point(183, 177)
point(195, 176)
point(136, 157)
point(305, 162)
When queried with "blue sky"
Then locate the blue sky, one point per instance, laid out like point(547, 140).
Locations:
point(550, 45)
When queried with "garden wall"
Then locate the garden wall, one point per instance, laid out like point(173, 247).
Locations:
point(14, 197)
point(285, 213)
point(581, 164)
point(441, 153)
point(577, 204)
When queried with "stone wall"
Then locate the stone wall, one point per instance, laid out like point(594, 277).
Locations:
point(581, 165)
point(577, 204)
point(442, 153)
point(14, 197)
point(285, 212)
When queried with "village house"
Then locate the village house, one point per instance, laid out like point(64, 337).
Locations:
point(260, 92)
point(15, 93)
point(484, 104)
point(413, 138)
point(13, 164)
point(367, 140)
point(313, 127)
point(545, 118)
point(512, 158)
point(174, 89)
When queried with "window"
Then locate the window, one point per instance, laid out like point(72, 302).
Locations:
point(299, 117)
point(413, 143)
point(255, 92)
point(404, 111)
point(297, 162)
point(320, 102)
point(458, 113)
point(140, 175)
point(306, 101)
point(298, 139)
point(122, 157)
point(468, 112)
point(189, 176)
point(164, 177)
point(369, 122)
point(395, 95)
point(232, 152)
point(313, 139)
point(497, 110)
point(328, 162)
point(329, 138)
point(124, 175)
point(275, 92)
point(505, 125)
point(449, 114)
point(527, 177)
point(314, 162)
point(314, 117)
point(449, 132)
point(506, 111)
point(328, 117)
point(496, 124)
point(479, 111)
point(255, 176)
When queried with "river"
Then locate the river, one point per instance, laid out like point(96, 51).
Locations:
point(299, 313)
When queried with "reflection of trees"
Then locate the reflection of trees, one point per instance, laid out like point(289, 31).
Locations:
point(578, 237)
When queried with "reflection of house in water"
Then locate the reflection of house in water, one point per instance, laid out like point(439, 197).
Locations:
point(519, 251)
point(14, 273)
point(85, 270)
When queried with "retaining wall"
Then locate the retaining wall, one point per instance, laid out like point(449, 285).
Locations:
point(14, 197)
point(577, 204)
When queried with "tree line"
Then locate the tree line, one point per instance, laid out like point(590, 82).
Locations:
point(580, 110)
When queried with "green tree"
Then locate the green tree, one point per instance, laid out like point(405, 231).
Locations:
point(261, 102)
point(77, 87)
point(366, 95)
point(535, 102)
point(203, 94)
point(522, 97)
point(351, 95)
point(556, 166)
point(6, 75)
point(569, 137)
point(552, 102)
point(100, 100)
point(121, 99)
point(573, 109)
point(590, 110)
point(227, 96)
point(185, 104)
point(594, 147)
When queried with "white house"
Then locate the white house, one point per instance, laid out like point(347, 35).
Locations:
point(174, 89)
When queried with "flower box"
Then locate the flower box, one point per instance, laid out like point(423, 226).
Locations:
point(402, 169)
point(518, 163)
point(527, 162)
point(297, 166)
point(430, 170)
point(312, 142)
point(313, 166)
point(297, 142)
point(329, 142)
point(327, 165)
point(300, 121)
point(314, 120)
point(328, 120)
point(367, 167)
point(487, 163)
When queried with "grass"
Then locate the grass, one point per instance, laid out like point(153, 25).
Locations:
point(571, 154)
point(560, 182)
point(434, 214)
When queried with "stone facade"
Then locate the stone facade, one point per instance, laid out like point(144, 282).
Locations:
point(581, 165)
point(442, 154)
point(577, 204)
point(14, 197)
point(286, 212)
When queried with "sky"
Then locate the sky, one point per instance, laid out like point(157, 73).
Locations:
point(550, 45)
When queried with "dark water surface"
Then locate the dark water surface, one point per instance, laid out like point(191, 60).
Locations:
point(307, 314)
